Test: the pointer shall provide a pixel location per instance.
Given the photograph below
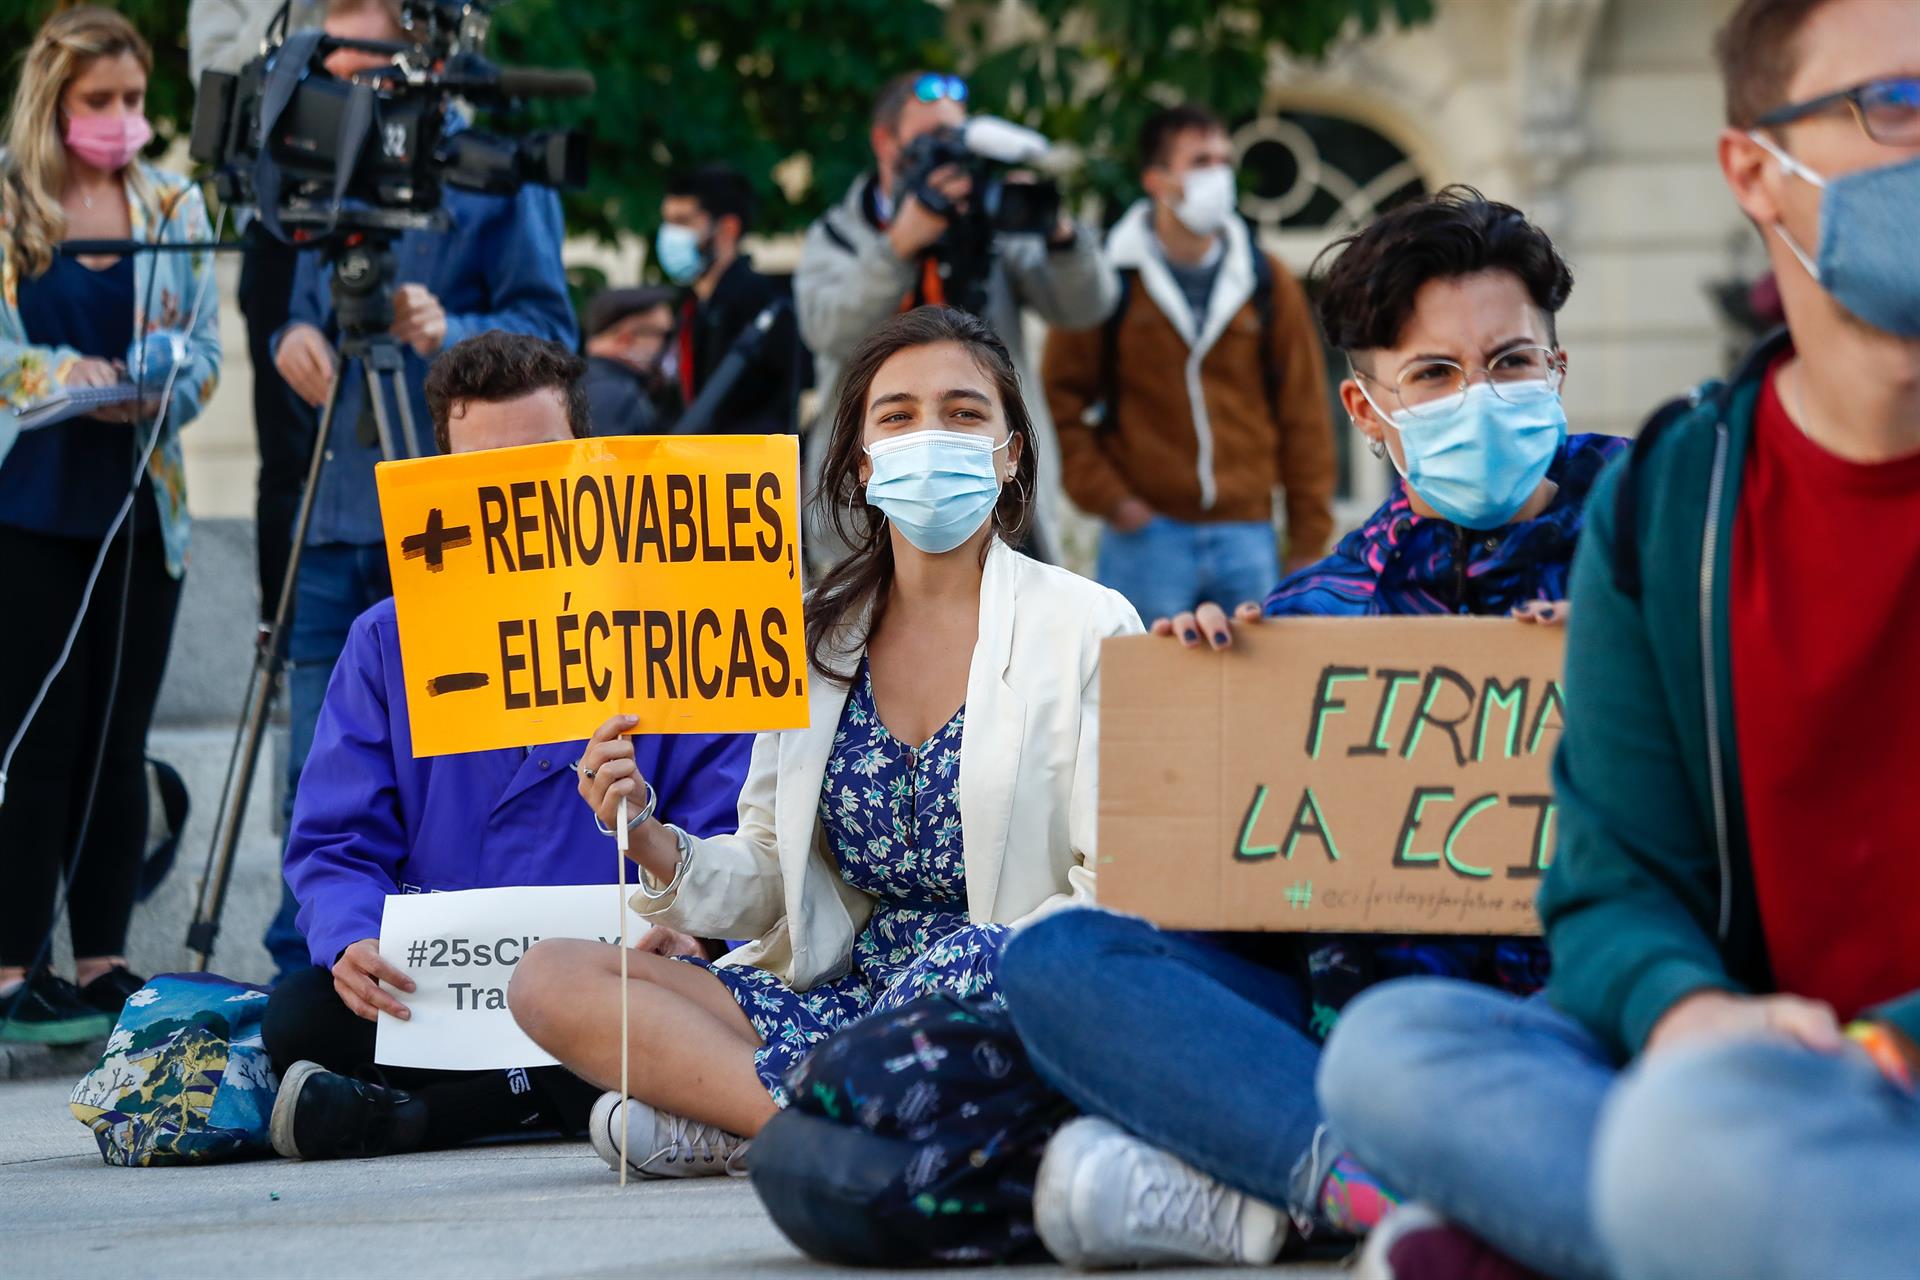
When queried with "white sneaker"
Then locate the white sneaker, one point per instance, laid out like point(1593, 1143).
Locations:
point(1104, 1198)
point(660, 1145)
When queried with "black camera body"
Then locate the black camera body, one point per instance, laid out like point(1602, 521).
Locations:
point(1002, 202)
point(317, 154)
point(1006, 200)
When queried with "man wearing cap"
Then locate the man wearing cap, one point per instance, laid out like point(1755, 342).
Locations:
point(627, 335)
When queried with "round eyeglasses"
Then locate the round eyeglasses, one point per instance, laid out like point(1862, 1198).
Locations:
point(1435, 388)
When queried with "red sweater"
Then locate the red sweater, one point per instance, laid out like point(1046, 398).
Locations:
point(1825, 603)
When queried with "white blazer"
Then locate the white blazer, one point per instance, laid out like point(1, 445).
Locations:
point(1028, 788)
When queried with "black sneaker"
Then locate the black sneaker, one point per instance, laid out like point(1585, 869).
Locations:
point(323, 1115)
point(109, 992)
point(47, 1009)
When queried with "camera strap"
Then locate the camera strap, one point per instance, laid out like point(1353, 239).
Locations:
point(291, 63)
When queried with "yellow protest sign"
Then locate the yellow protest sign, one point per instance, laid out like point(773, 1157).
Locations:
point(542, 589)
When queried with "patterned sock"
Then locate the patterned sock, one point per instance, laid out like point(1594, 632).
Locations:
point(1352, 1201)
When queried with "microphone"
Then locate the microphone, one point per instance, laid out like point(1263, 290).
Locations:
point(741, 357)
point(544, 82)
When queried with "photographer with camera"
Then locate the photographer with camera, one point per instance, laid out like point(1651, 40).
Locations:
point(75, 803)
point(702, 220)
point(919, 230)
point(497, 266)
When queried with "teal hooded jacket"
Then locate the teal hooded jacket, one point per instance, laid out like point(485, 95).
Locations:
point(1650, 897)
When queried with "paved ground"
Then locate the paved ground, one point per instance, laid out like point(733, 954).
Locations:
point(533, 1210)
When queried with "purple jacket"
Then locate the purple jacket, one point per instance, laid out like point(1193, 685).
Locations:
point(369, 819)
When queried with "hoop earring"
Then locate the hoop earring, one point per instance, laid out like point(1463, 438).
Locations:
point(1377, 447)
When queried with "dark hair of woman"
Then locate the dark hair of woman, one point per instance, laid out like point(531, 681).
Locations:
point(864, 578)
point(1368, 281)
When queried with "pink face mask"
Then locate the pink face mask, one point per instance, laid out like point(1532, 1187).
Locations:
point(108, 142)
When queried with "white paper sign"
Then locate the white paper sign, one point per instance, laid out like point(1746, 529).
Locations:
point(460, 950)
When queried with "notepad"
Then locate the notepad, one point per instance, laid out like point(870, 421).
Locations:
point(75, 402)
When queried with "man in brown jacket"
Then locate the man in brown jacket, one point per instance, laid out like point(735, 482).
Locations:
point(1206, 390)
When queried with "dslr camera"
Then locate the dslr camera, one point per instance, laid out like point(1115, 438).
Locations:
point(320, 156)
point(1008, 197)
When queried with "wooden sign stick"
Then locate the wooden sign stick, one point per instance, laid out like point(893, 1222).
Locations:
point(620, 855)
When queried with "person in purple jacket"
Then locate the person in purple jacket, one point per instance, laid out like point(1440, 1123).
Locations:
point(371, 820)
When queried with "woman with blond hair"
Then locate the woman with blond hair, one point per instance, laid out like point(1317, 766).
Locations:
point(103, 493)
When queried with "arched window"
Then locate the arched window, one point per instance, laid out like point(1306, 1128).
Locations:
point(1309, 171)
point(1309, 177)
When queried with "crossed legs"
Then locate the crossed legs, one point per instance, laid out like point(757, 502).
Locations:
point(690, 1047)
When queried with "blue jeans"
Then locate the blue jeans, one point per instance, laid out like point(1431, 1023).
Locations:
point(1758, 1159)
point(1478, 1103)
point(1169, 566)
point(1174, 1037)
point(338, 582)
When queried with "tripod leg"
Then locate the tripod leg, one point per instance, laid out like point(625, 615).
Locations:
point(262, 684)
point(386, 365)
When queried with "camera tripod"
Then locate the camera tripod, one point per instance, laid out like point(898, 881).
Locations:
point(362, 284)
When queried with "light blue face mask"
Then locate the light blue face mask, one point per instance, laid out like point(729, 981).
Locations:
point(1866, 260)
point(938, 487)
point(1480, 462)
point(680, 254)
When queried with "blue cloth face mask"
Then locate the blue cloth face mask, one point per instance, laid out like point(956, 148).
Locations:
point(1866, 261)
point(680, 254)
point(1479, 463)
point(938, 487)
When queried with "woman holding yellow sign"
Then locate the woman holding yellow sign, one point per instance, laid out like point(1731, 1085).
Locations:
point(883, 851)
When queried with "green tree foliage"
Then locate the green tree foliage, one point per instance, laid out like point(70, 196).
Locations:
point(1110, 63)
point(162, 22)
point(785, 85)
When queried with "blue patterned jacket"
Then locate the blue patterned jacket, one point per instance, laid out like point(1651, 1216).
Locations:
point(1401, 563)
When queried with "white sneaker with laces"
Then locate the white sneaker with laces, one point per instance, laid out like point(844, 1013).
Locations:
point(660, 1145)
point(1104, 1198)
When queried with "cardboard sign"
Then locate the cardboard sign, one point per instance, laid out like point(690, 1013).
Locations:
point(460, 949)
point(1379, 775)
point(542, 589)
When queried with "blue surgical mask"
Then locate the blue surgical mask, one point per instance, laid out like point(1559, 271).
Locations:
point(937, 487)
point(1479, 463)
point(1866, 260)
point(680, 254)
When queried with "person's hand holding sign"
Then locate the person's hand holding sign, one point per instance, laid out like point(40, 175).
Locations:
point(1544, 613)
point(609, 775)
point(1209, 620)
point(357, 975)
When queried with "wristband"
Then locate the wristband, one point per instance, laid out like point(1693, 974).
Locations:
point(685, 844)
point(646, 811)
point(1885, 1048)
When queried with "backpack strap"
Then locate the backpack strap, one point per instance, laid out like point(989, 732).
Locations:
point(1263, 309)
point(1627, 578)
point(1103, 415)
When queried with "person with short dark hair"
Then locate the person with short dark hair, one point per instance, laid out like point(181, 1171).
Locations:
point(704, 216)
point(1200, 394)
point(1721, 1081)
point(372, 820)
point(628, 333)
point(1195, 1055)
point(878, 253)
